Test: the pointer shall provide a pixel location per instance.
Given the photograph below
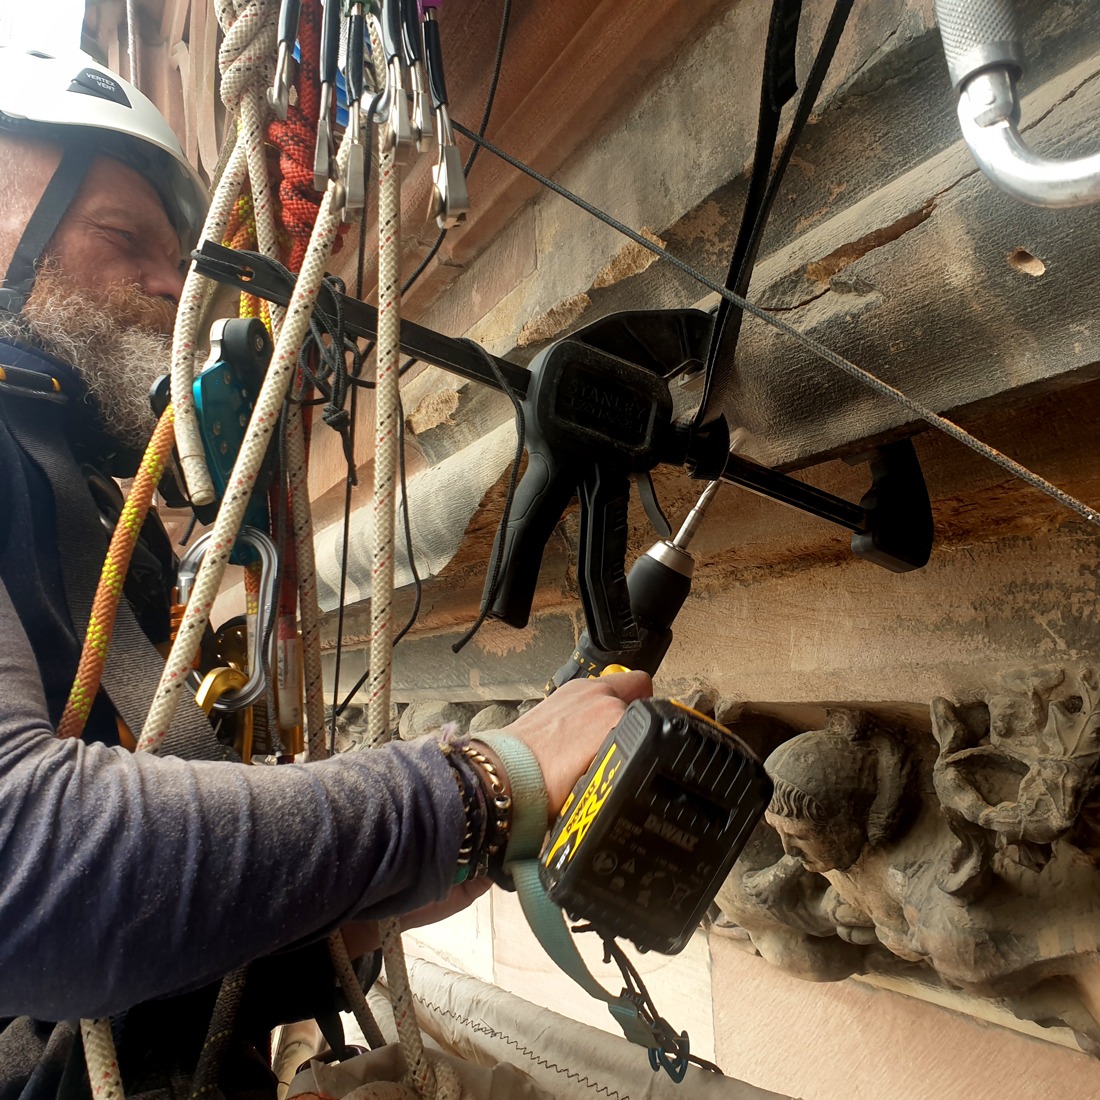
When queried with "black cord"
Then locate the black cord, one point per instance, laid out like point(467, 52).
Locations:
point(406, 520)
point(513, 478)
point(917, 408)
point(417, 581)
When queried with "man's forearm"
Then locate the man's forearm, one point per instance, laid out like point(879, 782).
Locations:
point(126, 877)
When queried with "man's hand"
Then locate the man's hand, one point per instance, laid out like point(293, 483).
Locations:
point(565, 730)
point(564, 733)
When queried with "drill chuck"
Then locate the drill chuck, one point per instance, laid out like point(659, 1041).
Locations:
point(658, 584)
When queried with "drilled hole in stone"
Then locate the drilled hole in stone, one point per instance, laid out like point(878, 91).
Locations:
point(1022, 260)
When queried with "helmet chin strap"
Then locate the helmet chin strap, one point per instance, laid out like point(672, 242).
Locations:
point(43, 223)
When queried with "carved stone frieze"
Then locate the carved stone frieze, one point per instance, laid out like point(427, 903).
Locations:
point(969, 858)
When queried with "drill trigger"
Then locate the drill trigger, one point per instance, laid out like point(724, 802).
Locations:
point(647, 494)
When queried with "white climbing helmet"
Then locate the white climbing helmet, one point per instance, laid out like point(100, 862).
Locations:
point(73, 100)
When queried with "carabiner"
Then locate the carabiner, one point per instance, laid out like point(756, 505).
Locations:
point(255, 686)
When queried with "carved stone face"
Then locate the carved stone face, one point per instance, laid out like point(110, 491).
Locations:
point(819, 848)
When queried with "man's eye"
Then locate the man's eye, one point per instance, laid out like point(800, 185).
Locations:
point(126, 235)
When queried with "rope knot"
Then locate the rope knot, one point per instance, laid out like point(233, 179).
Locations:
point(337, 418)
point(245, 57)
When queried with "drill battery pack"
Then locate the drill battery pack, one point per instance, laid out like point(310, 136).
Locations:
point(652, 829)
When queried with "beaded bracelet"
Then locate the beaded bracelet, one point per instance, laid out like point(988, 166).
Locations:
point(487, 805)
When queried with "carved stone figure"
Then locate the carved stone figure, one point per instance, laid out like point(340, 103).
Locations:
point(976, 864)
point(1023, 766)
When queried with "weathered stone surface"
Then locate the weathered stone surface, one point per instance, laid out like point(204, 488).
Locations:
point(979, 862)
point(430, 719)
point(493, 717)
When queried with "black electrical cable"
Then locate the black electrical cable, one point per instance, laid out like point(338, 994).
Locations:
point(917, 408)
point(509, 496)
point(777, 88)
point(418, 584)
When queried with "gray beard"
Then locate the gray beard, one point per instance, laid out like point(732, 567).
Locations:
point(117, 360)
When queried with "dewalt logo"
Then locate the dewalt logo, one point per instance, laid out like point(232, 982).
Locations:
point(589, 805)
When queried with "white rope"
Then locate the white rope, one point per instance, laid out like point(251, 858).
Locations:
point(420, 1074)
point(245, 58)
point(308, 609)
point(353, 991)
point(264, 420)
point(185, 340)
point(99, 1053)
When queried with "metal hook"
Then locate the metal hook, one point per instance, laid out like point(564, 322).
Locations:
point(450, 197)
point(985, 57)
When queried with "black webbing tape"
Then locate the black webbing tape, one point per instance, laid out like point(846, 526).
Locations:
point(42, 224)
point(777, 89)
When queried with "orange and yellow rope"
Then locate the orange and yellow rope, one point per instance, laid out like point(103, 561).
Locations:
point(101, 621)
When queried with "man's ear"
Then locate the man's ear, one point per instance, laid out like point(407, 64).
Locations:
point(27, 165)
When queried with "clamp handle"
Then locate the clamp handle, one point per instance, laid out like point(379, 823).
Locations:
point(541, 497)
point(601, 559)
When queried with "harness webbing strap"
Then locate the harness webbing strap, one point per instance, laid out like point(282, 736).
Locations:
point(133, 666)
point(778, 88)
point(42, 224)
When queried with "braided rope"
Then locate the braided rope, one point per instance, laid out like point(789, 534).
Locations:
point(309, 611)
point(204, 1083)
point(296, 138)
point(264, 421)
point(248, 33)
point(99, 1047)
point(101, 620)
point(419, 1072)
point(245, 59)
point(185, 342)
point(99, 1053)
point(353, 991)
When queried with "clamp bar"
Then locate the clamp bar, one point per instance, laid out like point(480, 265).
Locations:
point(893, 535)
point(225, 265)
point(788, 490)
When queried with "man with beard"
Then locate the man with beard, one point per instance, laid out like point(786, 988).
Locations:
point(127, 878)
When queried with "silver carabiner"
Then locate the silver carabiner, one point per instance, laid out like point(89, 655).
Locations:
point(985, 58)
point(188, 570)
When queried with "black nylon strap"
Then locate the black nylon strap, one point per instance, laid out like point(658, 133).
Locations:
point(778, 88)
point(133, 665)
point(42, 224)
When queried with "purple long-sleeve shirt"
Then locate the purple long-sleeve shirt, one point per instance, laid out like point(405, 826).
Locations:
point(126, 877)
